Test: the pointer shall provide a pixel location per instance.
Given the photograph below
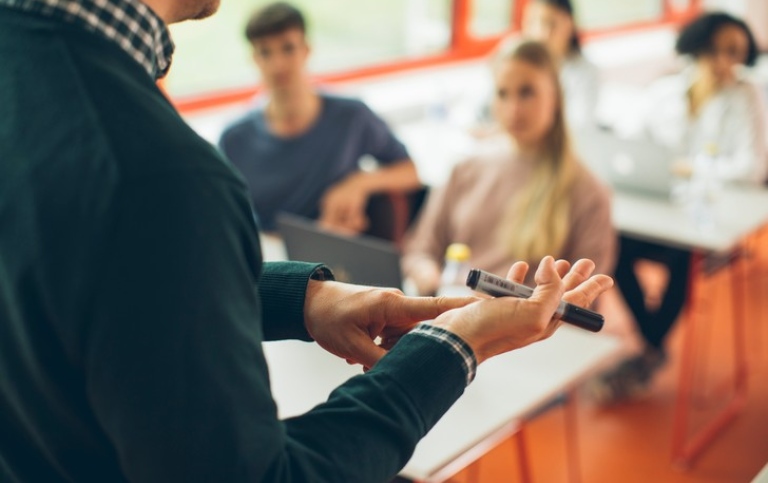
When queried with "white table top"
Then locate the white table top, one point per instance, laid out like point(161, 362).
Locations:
point(762, 477)
point(506, 389)
point(738, 211)
point(272, 248)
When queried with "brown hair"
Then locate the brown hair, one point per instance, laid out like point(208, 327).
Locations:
point(566, 7)
point(275, 18)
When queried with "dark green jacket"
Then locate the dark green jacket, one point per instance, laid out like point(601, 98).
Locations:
point(133, 299)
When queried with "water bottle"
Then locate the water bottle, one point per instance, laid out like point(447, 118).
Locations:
point(704, 188)
point(455, 271)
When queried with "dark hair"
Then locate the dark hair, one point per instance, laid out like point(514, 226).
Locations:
point(696, 38)
point(567, 7)
point(272, 19)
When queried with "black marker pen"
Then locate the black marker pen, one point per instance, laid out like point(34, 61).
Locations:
point(490, 284)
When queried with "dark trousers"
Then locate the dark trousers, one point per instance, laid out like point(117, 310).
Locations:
point(653, 325)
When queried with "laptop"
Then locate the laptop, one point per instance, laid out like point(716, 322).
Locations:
point(637, 166)
point(360, 259)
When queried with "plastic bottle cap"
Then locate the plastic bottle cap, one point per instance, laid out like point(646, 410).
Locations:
point(458, 252)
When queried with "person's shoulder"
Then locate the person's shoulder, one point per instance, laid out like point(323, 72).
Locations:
point(245, 124)
point(343, 102)
point(338, 104)
point(588, 186)
point(123, 123)
point(747, 90)
point(489, 162)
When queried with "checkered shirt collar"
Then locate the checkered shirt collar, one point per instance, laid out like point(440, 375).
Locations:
point(129, 23)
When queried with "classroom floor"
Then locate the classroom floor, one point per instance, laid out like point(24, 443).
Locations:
point(631, 442)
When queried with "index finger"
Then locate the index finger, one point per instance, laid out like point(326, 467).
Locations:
point(580, 272)
point(427, 308)
point(517, 272)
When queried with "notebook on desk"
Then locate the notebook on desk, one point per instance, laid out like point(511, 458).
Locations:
point(638, 166)
point(361, 260)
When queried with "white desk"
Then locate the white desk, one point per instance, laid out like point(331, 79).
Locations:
point(506, 390)
point(761, 477)
point(272, 248)
point(738, 211)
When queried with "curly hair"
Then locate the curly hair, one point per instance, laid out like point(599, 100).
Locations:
point(696, 38)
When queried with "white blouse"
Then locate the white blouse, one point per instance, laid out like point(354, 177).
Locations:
point(580, 81)
point(733, 121)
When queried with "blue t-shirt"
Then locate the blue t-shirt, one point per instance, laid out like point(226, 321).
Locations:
point(291, 174)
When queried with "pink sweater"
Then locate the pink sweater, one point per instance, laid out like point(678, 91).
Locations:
point(470, 206)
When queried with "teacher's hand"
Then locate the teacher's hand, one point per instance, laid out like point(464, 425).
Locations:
point(346, 319)
point(499, 325)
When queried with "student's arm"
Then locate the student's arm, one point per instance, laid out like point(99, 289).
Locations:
point(343, 204)
point(400, 175)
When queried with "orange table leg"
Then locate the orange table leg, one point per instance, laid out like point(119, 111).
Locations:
point(572, 438)
point(684, 448)
point(522, 456)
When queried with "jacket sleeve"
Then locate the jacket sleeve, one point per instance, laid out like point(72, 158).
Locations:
point(282, 289)
point(174, 369)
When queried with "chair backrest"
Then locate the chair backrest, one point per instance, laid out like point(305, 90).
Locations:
point(391, 212)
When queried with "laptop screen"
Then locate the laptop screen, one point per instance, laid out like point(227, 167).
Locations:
point(639, 166)
point(359, 259)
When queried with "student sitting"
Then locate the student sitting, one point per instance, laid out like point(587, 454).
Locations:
point(709, 106)
point(299, 150)
point(552, 22)
point(522, 202)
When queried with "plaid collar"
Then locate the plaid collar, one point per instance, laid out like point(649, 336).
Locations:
point(131, 24)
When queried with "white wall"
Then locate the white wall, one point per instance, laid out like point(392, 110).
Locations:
point(735, 7)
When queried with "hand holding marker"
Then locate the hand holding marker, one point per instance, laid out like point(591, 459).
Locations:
point(494, 286)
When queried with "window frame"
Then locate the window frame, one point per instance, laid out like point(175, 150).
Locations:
point(463, 46)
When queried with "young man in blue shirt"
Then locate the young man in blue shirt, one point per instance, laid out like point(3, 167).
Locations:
point(299, 150)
